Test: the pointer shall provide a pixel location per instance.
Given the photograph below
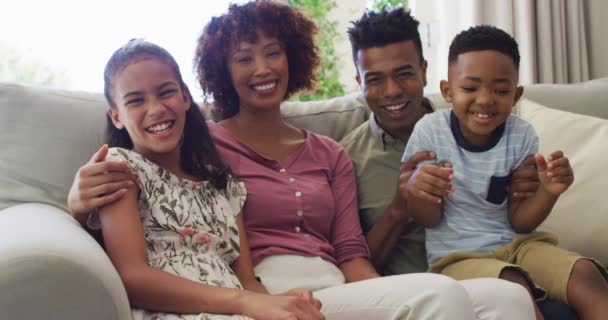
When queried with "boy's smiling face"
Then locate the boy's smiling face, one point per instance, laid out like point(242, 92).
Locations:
point(482, 88)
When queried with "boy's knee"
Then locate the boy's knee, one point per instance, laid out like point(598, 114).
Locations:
point(585, 269)
point(514, 275)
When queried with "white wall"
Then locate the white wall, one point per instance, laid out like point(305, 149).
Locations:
point(597, 25)
point(438, 19)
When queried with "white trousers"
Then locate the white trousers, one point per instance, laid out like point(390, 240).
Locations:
point(404, 297)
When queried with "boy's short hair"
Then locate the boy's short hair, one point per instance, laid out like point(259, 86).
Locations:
point(484, 37)
point(384, 27)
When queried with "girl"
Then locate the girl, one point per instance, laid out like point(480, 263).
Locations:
point(176, 237)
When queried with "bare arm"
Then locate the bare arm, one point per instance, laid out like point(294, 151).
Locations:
point(524, 180)
point(385, 233)
point(243, 267)
point(148, 287)
point(358, 269)
point(154, 289)
point(555, 177)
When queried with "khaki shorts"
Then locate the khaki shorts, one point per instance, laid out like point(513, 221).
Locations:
point(545, 265)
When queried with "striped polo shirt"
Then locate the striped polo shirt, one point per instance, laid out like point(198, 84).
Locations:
point(475, 217)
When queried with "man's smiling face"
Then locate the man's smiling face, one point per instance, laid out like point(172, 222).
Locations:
point(392, 79)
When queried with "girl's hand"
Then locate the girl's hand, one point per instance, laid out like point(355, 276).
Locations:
point(279, 307)
point(303, 293)
point(98, 183)
point(555, 173)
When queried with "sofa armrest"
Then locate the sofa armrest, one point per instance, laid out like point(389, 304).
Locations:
point(51, 268)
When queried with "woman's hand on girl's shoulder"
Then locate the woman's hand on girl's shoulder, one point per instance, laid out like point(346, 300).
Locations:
point(97, 183)
point(291, 305)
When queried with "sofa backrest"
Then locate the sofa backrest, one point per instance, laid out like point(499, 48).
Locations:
point(47, 134)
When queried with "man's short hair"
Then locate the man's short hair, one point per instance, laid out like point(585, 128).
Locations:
point(484, 37)
point(384, 27)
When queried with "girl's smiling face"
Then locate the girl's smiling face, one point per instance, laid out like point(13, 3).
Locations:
point(151, 105)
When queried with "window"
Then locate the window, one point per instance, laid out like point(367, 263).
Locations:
point(66, 43)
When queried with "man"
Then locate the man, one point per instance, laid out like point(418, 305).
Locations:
point(391, 72)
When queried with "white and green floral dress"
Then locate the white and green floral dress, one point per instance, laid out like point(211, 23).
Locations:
point(189, 227)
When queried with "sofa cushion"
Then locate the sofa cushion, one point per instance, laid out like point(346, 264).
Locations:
point(580, 216)
point(589, 97)
point(333, 118)
point(46, 135)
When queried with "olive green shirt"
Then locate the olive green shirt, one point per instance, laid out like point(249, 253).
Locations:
point(377, 159)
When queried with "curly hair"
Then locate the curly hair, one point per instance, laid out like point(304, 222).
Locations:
point(242, 23)
point(484, 37)
point(384, 27)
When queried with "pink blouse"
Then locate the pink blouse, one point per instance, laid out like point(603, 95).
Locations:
point(306, 205)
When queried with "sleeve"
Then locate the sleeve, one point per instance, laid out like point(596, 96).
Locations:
point(420, 140)
point(236, 193)
point(347, 239)
point(529, 143)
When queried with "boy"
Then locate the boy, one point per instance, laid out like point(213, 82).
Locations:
point(473, 230)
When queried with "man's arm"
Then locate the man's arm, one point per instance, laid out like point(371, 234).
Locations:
point(358, 269)
point(426, 188)
point(98, 183)
point(385, 233)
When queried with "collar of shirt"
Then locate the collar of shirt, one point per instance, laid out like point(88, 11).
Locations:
point(385, 138)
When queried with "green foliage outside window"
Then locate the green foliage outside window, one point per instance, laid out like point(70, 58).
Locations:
point(379, 4)
point(17, 66)
point(328, 76)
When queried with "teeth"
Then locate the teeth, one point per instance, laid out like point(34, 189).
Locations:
point(482, 115)
point(394, 107)
point(265, 86)
point(160, 127)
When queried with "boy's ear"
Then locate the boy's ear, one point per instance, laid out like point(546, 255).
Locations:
point(519, 91)
point(113, 114)
point(358, 79)
point(446, 92)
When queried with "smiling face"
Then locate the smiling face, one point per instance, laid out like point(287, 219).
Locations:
point(151, 105)
point(482, 88)
point(392, 79)
point(259, 72)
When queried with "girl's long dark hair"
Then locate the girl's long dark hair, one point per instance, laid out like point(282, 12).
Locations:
point(199, 157)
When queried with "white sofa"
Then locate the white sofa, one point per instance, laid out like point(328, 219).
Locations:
point(50, 268)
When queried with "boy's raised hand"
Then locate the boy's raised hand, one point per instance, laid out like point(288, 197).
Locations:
point(431, 182)
point(555, 173)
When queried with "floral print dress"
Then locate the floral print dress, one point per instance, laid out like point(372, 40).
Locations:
point(189, 227)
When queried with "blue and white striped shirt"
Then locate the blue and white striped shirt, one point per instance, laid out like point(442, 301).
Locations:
point(475, 217)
